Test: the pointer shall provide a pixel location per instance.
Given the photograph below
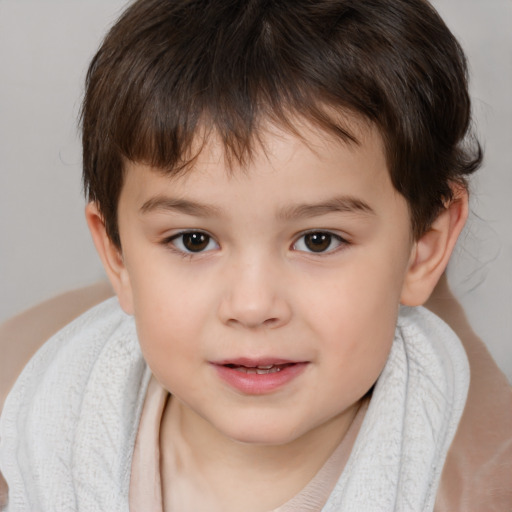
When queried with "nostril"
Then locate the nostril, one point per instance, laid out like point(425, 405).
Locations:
point(269, 323)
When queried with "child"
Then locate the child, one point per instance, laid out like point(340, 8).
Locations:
point(268, 182)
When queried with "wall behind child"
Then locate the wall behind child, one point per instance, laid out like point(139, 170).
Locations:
point(45, 47)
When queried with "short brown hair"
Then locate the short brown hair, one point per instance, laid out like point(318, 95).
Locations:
point(170, 67)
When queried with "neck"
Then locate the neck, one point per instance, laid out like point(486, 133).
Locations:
point(229, 475)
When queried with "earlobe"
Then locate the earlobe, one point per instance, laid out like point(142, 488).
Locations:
point(111, 257)
point(431, 253)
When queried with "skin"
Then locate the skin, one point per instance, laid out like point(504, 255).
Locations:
point(257, 290)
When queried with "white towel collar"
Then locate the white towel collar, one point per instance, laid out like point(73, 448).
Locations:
point(68, 427)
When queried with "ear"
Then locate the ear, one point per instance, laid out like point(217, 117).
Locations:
point(431, 253)
point(111, 257)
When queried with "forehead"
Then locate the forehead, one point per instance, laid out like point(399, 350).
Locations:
point(283, 169)
point(269, 139)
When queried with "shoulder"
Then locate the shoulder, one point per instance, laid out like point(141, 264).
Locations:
point(478, 471)
point(22, 335)
point(477, 474)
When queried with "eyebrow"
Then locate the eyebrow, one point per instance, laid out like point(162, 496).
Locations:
point(340, 204)
point(169, 204)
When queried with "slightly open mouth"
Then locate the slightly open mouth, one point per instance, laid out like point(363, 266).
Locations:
point(258, 377)
point(260, 370)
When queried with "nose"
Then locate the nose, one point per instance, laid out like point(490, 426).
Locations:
point(255, 296)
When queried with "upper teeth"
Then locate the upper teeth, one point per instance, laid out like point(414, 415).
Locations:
point(260, 370)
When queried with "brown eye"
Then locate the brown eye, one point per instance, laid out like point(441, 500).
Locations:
point(193, 242)
point(319, 242)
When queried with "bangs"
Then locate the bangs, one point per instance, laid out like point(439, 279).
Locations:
point(158, 140)
point(229, 82)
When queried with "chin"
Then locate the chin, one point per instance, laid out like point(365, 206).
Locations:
point(261, 434)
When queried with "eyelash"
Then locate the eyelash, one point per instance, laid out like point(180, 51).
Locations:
point(172, 242)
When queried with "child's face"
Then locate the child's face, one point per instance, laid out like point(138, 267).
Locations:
point(295, 265)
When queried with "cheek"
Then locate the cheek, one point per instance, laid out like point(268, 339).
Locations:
point(165, 295)
point(356, 319)
point(357, 355)
point(168, 322)
point(363, 297)
point(361, 349)
point(166, 344)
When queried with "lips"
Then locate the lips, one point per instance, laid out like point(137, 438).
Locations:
point(258, 376)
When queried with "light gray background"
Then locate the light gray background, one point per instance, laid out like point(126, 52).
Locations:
point(45, 46)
